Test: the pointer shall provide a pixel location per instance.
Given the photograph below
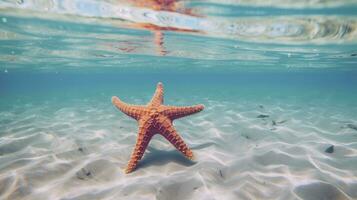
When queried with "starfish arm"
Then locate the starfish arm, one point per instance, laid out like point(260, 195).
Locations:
point(175, 112)
point(158, 97)
point(167, 130)
point(133, 111)
point(142, 141)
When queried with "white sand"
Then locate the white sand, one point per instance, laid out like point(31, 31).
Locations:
point(80, 151)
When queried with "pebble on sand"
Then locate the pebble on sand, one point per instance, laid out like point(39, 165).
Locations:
point(83, 173)
point(330, 149)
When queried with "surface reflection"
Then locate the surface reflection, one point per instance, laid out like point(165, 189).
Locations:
point(173, 6)
point(89, 33)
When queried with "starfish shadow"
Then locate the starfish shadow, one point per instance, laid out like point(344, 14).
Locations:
point(203, 145)
point(161, 157)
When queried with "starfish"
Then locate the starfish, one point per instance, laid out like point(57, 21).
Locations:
point(155, 118)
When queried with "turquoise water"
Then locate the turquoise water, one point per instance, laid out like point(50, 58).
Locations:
point(277, 78)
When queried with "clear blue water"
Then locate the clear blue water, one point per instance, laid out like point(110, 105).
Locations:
point(62, 61)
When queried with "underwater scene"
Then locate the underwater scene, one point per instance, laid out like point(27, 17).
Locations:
point(178, 99)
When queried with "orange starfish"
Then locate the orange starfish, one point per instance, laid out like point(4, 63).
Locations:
point(155, 118)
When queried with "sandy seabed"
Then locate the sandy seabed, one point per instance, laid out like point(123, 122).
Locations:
point(243, 150)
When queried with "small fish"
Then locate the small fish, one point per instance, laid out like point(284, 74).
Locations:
point(262, 116)
point(330, 149)
point(281, 122)
point(352, 126)
point(261, 106)
point(220, 173)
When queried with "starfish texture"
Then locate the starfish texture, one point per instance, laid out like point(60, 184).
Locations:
point(155, 118)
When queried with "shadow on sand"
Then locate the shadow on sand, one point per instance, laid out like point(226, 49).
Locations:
point(161, 157)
